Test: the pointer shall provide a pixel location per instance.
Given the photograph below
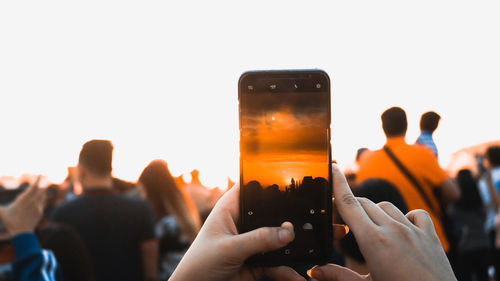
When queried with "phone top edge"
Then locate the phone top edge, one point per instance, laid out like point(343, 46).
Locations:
point(270, 74)
point(283, 71)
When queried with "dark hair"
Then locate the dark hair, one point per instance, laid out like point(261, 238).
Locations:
point(377, 190)
point(69, 249)
point(360, 152)
point(167, 198)
point(97, 156)
point(493, 155)
point(429, 121)
point(470, 198)
point(394, 122)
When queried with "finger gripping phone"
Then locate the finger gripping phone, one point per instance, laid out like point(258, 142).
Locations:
point(285, 161)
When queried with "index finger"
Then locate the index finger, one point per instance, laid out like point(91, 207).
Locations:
point(348, 206)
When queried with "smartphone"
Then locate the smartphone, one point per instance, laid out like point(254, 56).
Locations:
point(285, 161)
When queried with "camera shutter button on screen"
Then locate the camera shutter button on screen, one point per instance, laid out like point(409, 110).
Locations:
point(307, 226)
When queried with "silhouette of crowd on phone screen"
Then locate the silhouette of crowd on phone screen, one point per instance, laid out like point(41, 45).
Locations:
point(97, 227)
point(297, 197)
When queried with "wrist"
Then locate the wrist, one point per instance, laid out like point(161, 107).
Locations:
point(19, 231)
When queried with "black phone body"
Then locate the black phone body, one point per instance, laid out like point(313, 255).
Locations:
point(285, 161)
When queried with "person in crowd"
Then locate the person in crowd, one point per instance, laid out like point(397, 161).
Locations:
point(66, 244)
point(351, 172)
point(177, 219)
point(203, 197)
point(117, 230)
point(69, 250)
point(412, 169)
point(71, 188)
point(31, 263)
point(395, 246)
point(351, 179)
point(470, 215)
point(54, 197)
point(377, 191)
point(497, 227)
point(428, 124)
point(360, 152)
point(489, 187)
point(123, 186)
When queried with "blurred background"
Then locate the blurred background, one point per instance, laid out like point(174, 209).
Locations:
point(159, 78)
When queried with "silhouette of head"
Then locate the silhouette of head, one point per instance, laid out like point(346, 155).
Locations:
point(470, 198)
point(360, 152)
point(429, 121)
point(493, 155)
point(96, 157)
point(377, 190)
point(394, 122)
point(158, 184)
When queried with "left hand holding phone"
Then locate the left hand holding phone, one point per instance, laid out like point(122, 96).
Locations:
point(219, 252)
point(25, 212)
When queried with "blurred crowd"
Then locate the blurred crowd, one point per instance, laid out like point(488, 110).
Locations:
point(94, 226)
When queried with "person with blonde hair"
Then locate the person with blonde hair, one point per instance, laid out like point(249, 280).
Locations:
point(177, 219)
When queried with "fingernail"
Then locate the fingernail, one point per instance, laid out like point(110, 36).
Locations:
point(315, 273)
point(284, 235)
point(288, 225)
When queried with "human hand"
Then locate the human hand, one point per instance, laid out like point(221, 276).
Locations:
point(395, 246)
point(218, 253)
point(25, 212)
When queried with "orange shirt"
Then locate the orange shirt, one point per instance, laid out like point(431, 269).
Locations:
point(421, 163)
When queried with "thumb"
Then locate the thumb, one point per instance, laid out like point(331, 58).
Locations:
point(264, 239)
point(333, 272)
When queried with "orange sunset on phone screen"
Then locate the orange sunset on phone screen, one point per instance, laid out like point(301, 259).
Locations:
point(281, 146)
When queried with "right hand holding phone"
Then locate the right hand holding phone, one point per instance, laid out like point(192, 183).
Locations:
point(395, 246)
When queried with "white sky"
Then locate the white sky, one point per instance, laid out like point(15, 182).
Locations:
point(159, 78)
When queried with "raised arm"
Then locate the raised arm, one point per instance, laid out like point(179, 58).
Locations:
point(20, 219)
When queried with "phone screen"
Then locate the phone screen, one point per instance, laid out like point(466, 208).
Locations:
point(285, 159)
